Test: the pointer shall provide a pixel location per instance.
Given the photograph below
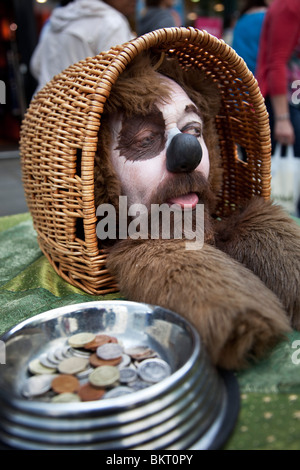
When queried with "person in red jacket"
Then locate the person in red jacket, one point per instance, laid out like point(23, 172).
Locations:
point(278, 71)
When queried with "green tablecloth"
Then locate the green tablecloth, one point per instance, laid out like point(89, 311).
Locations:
point(269, 417)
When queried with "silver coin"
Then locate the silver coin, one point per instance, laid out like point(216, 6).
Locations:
point(126, 360)
point(118, 392)
point(85, 373)
point(37, 385)
point(139, 385)
point(59, 353)
point(154, 370)
point(67, 350)
point(79, 353)
point(52, 357)
point(45, 361)
point(127, 375)
point(109, 351)
point(63, 352)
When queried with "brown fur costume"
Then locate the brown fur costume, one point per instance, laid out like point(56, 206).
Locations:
point(241, 290)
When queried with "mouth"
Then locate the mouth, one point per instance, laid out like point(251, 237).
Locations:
point(185, 201)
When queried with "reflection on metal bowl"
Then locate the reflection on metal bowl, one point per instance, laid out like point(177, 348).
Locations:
point(195, 407)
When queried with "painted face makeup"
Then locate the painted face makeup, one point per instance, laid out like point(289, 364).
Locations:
point(142, 137)
point(139, 145)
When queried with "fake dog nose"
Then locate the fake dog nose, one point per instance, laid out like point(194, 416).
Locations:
point(184, 153)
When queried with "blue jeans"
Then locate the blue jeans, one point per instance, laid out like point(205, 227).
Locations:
point(295, 120)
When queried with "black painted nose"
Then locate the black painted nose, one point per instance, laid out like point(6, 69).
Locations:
point(184, 153)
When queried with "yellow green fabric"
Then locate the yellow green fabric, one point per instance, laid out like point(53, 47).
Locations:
point(28, 283)
point(269, 417)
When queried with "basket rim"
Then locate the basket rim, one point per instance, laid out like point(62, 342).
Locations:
point(113, 63)
point(127, 52)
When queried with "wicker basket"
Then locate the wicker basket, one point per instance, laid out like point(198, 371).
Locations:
point(59, 141)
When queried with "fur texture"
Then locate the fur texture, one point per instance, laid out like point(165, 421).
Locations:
point(135, 92)
point(241, 290)
point(208, 288)
point(266, 240)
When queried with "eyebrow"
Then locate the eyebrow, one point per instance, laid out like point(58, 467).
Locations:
point(191, 108)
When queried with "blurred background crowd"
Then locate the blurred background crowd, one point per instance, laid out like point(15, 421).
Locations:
point(23, 22)
point(39, 38)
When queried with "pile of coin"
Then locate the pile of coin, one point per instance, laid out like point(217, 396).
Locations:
point(89, 367)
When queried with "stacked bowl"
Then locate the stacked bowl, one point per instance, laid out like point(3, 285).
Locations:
point(194, 406)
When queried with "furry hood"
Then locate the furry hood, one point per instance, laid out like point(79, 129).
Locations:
point(137, 89)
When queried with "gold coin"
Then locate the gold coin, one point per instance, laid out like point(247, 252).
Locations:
point(36, 368)
point(66, 398)
point(73, 365)
point(81, 339)
point(104, 376)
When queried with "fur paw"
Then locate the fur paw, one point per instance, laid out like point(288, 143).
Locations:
point(237, 317)
point(266, 240)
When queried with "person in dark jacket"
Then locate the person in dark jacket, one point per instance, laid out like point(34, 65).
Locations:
point(157, 14)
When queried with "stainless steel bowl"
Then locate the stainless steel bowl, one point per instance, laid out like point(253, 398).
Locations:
point(194, 408)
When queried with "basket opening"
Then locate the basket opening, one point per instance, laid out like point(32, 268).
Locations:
point(78, 162)
point(241, 153)
point(79, 229)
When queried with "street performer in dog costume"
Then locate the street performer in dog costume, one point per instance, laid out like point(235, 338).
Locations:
point(158, 145)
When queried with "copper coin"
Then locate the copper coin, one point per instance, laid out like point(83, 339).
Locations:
point(89, 393)
point(99, 341)
point(65, 384)
point(140, 353)
point(95, 361)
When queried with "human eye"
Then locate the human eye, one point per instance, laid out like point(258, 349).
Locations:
point(142, 137)
point(145, 139)
point(193, 128)
point(142, 145)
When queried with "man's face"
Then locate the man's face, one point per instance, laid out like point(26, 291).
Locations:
point(139, 145)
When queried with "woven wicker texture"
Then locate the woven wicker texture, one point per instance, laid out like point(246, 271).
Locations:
point(59, 140)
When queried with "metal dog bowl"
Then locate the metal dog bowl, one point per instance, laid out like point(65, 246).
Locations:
point(195, 407)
